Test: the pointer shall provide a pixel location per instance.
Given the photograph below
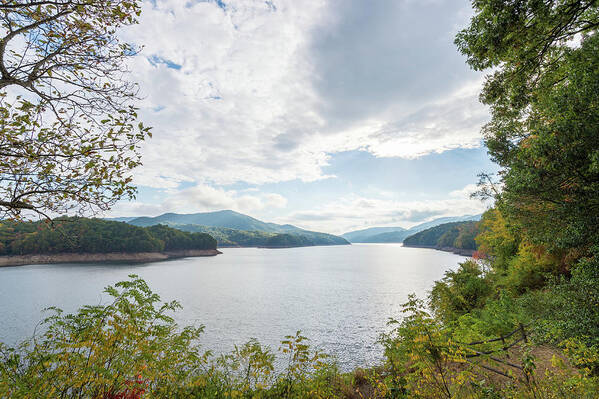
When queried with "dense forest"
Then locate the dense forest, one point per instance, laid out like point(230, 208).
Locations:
point(241, 238)
point(83, 235)
point(458, 235)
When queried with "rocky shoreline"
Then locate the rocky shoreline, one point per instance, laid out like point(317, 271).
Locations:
point(20, 260)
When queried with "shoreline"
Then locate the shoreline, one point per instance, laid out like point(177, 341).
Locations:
point(281, 246)
point(41, 259)
point(457, 251)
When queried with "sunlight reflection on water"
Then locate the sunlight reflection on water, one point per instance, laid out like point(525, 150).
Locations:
point(340, 296)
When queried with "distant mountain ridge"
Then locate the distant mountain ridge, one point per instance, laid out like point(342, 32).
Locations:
point(227, 218)
point(359, 235)
point(398, 234)
point(232, 228)
point(457, 237)
point(121, 219)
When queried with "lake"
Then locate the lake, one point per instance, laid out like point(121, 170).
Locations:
point(339, 296)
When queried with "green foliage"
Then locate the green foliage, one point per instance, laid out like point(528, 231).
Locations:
point(99, 350)
point(297, 380)
point(498, 317)
point(253, 365)
point(458, 235)
point(551, 181)
point(460, 292)
point(132, 348)
point(569, 308)
point(287, 240)
point(516, 264)
point(529, 269)
point(419, 352)
point(496, 239)
point(466, 238)
point(82, 235)
point(241, 238)
point(71, 137)
point(175, 240)
point(523, 40)
point(544, 102)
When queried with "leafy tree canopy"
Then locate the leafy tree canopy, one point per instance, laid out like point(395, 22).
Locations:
point(523, 40)
point(544, 100)
point(68, 130)
point(83, 235)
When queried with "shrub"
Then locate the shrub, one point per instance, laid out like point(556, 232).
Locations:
point(460, 292)
point(530, 269)
point(569, 308)
point(100, 350)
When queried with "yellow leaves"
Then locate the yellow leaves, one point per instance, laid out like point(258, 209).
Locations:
point(557, 362)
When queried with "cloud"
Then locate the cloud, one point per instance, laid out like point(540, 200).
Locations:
point(261, 92)
point(354, 212)
point(351, 212)
point(203, 198)
point(465, 192)
point(387, 56)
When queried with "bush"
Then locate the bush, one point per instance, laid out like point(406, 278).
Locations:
point(530, 269)
point(131, 348)
point(460, 292)
point(569, 308)
point(100, 351)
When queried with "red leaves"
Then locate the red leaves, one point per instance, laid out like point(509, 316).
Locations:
point(134, 390)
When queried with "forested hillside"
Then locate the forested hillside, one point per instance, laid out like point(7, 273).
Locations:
point(458, 235)
point(398, 234)
point(235, 229)
point(361, 235)
point(241, 238)
point(83, 235)
point(226, 218)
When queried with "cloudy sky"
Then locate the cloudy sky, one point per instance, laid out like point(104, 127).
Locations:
point(331, 115)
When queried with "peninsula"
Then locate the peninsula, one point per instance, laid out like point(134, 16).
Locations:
point(75, 239)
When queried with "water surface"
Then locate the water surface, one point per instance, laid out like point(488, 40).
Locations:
point(338, 296)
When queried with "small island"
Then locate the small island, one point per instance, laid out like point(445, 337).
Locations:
point(77, 239)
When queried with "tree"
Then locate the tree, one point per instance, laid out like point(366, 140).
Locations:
point(69, 134)
point(544, 101)
point(523, 40)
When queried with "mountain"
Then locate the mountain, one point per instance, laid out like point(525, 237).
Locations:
point(359, 235)
point(455, 236)
point(450, 219)
point(228, 219)
point(236, 229)
point(398, 234)
point(241, 238)
point(389, 237)
point(123, 219)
